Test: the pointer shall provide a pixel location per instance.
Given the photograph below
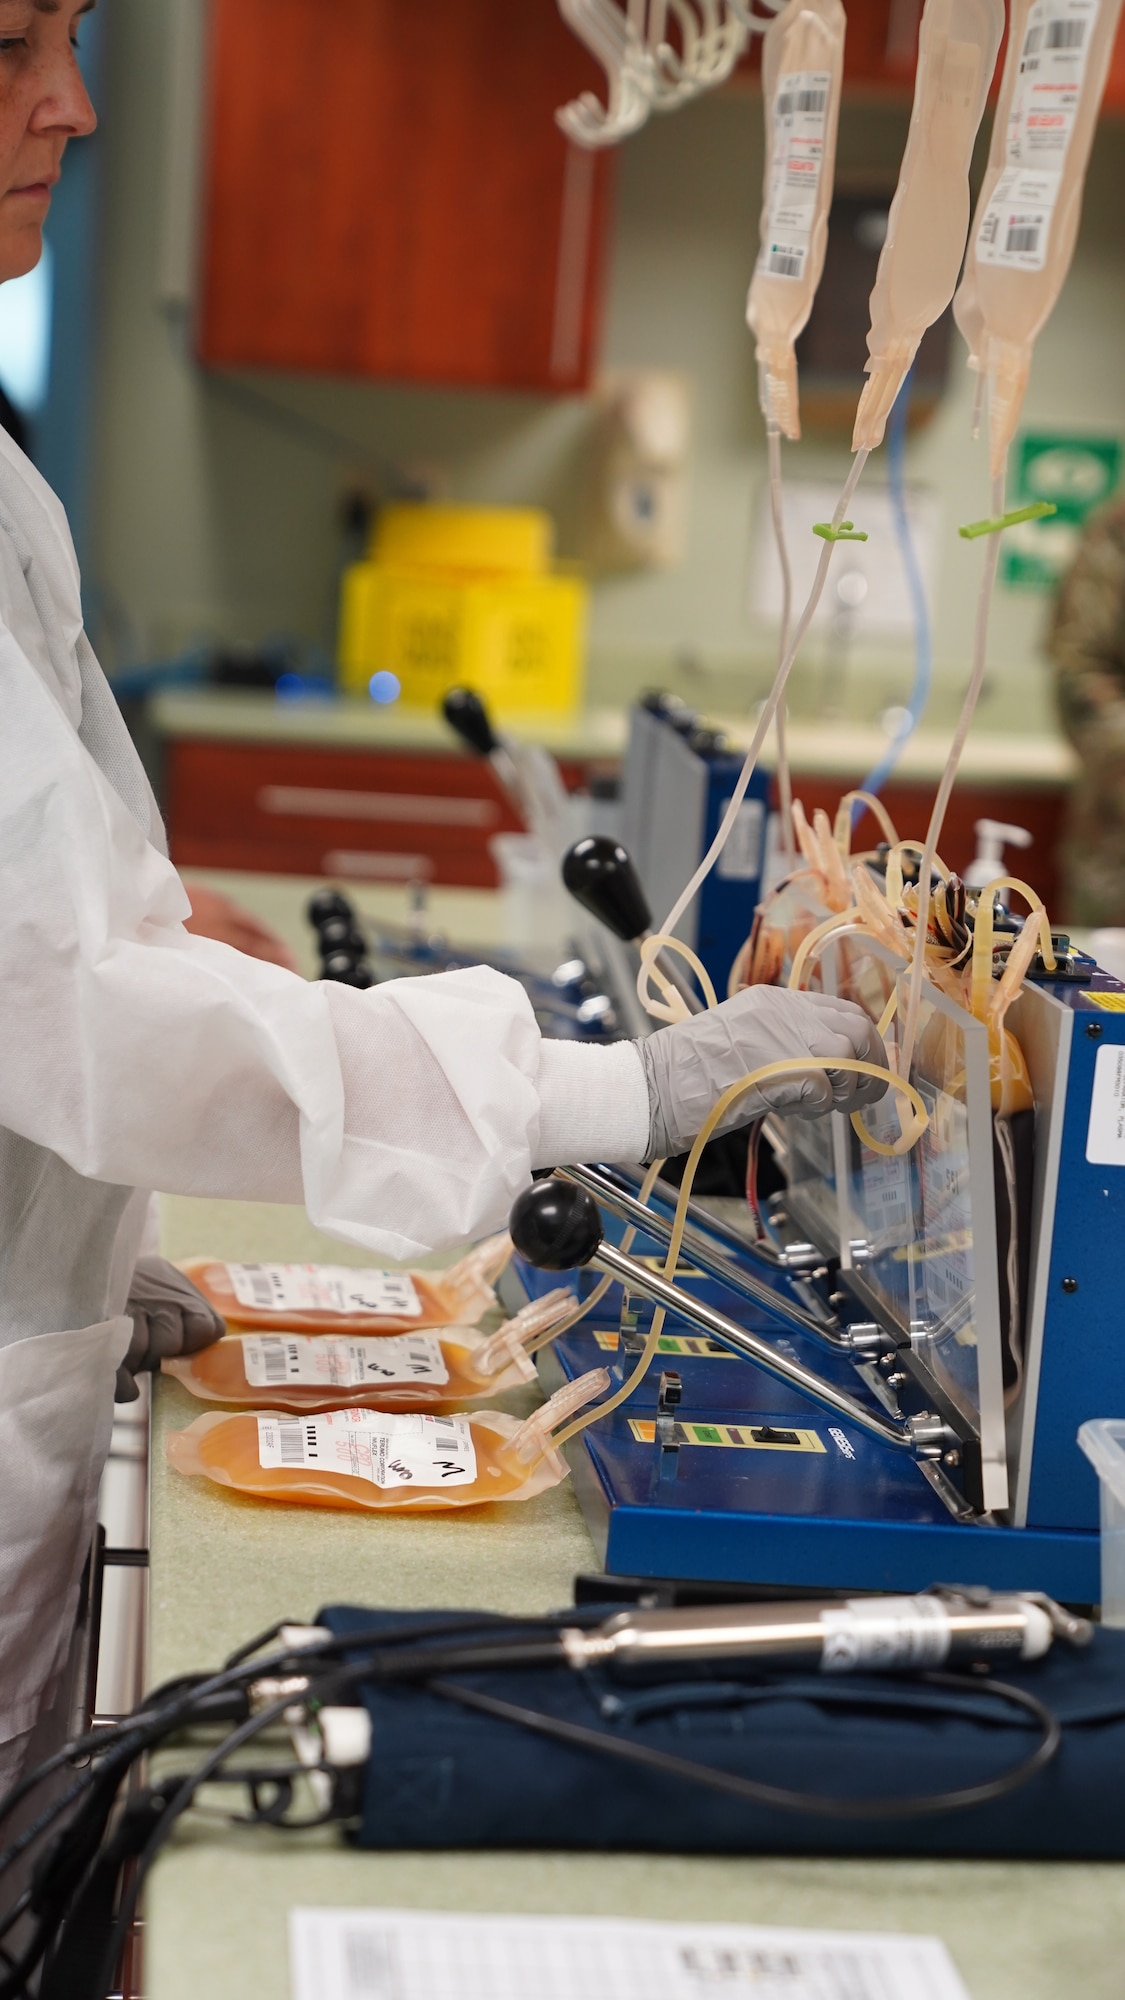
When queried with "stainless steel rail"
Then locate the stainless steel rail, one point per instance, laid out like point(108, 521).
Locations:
point(920, 1436)
point(608, 1195)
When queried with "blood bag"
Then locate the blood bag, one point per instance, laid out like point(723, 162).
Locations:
point(929, 218)
point(333, 1298)
point(432, 1369)
point(805, 900)
point(375, 1461)
point(802, 73)
point(1027, 217)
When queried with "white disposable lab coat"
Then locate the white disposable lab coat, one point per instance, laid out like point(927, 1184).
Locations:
point(134, 1055)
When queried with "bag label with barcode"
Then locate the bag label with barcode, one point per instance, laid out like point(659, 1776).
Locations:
point(322, 1361)
point(325, 1288)
point(372, 1444)
point(1015, 228)
point(800, 114)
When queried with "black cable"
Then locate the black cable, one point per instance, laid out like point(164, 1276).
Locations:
point(252, 1646)
point(345, 1676)
point(752, 1789)
point(120, 1747)
point(420, 1662)
point(237, 1672)
point(178, 1805)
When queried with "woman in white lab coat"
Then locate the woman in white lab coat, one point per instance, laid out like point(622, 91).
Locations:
point(135, 1055)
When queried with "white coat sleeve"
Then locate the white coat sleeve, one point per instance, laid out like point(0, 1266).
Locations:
point(405, 1118)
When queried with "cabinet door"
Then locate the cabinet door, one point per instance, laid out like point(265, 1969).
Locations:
point(361, 815)
point(388, 194)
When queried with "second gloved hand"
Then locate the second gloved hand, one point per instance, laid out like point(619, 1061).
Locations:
point(689, 1065)
point(169, 1317)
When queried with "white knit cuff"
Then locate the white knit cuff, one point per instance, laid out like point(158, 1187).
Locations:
point(593, 1104)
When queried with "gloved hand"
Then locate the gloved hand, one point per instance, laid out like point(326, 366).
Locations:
point(689, 1065)
point(169, 1317)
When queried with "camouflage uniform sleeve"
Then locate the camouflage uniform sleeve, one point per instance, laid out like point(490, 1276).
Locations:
point(1086, 643)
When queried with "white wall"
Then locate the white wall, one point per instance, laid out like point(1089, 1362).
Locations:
point(214, 518)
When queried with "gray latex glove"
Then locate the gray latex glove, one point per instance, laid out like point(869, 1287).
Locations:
point(170, 1316)
point(689, 1065)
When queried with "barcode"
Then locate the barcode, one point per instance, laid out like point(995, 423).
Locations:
point(291, 1443)
point(785, 264)
point(261, 1288)
point(368, 1963)
point(801, 100)
point(1022, 237)
point(1066, 34)
point(1032, 41)
point(273, 1360)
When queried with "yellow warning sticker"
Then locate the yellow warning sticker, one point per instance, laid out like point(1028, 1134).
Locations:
point(1114, 1003)
point(674, 1343)
point(731, 1437)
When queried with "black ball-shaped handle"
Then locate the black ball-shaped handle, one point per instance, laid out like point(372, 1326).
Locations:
point(338, 934)
point(556, 1225)
point(600, 875)
point(344, 969)
point(326, 906)
point(466, 713)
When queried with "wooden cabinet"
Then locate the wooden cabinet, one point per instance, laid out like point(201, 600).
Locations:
point(428, 815)
point(388, 195)
point(358, 815)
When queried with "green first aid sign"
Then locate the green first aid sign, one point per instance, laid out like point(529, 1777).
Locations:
point(1077, 473)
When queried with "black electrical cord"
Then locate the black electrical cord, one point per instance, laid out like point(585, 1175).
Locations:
point(323, 1693)
point(178, 1804)
point(531, 1641)
point(182, 1700)
point(154, 1726)
point(752, 1789)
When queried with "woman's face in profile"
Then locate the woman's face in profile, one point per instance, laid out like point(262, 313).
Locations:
point(43, 103)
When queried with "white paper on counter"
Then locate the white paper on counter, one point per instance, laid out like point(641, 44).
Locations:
point(340, 1954)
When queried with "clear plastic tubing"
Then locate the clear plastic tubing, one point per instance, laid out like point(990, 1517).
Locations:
point(937, 817)
point(802, 78)
point(777, 511)
point(769, 711)
point(928, 222)
point(919, 609)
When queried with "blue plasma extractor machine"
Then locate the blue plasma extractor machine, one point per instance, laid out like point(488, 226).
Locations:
point(877, 1381)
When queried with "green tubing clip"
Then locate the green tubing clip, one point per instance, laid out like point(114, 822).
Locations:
point(1038, 511)
point(846, 532)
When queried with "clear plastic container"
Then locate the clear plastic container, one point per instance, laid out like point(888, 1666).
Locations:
point(929, 219)
point(802, 75)
point(435, 1369)
point(381, 1461)
point(334, 1298)
point(1030, 203)
point(1103, 1441)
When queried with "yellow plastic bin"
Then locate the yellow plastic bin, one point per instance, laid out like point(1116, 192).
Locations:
point(466, 597)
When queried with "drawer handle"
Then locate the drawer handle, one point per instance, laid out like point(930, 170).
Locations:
point(379, 867)
point(409, 808)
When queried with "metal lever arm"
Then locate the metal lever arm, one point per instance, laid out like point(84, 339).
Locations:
point(750, 1346)
point(711, 1260)
point(705, 1220)
point(557, 1226)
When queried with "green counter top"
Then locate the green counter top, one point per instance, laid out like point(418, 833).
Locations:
point(999, 756)
point(224, 1568)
